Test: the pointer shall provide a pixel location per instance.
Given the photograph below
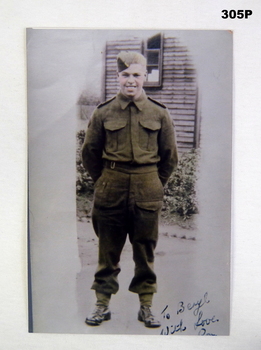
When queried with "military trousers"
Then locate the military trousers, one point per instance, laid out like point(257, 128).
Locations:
point(127, 203)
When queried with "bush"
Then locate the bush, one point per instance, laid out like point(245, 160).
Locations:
point(86, 99)
point(180, 193)
point(84, 183)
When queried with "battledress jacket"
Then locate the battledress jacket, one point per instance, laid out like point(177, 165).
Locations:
point(138, 133)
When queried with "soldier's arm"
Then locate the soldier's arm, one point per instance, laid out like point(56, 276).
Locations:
point(167, 149)
point(93, 147)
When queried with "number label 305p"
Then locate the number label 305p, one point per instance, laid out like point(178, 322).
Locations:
point(240, 14)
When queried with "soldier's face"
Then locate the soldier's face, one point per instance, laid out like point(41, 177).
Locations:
point(131, 80)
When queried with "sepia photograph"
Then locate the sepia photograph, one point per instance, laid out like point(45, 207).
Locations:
point(129, 181)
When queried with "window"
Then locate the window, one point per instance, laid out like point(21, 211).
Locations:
point(153, 53)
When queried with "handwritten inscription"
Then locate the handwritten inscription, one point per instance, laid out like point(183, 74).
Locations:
point(200, 321)
point(179, 328)
point(204, 332)
point(196, 306)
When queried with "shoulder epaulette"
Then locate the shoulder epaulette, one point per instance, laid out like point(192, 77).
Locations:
point(157, 103)
point(106, 102)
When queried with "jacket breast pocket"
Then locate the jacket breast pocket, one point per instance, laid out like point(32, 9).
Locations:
point(148, 134)
point(116, 134)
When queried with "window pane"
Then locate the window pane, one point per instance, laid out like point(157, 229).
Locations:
point(153, 75)
point(154, 42)
point(152, 57)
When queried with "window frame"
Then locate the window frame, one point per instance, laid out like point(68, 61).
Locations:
point(159, 65)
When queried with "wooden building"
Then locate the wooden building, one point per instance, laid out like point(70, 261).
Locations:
point(171, 80)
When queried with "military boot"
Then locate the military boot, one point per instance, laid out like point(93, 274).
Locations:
point(101, 312)
point(145, 314)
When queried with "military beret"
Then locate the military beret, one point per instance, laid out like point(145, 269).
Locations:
point(126, 58)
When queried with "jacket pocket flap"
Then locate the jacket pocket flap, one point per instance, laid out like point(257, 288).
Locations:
point(114, 125)
point(150, 124)
point(151, 206)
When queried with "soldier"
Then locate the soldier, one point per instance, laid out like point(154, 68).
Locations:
point(130, 152)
